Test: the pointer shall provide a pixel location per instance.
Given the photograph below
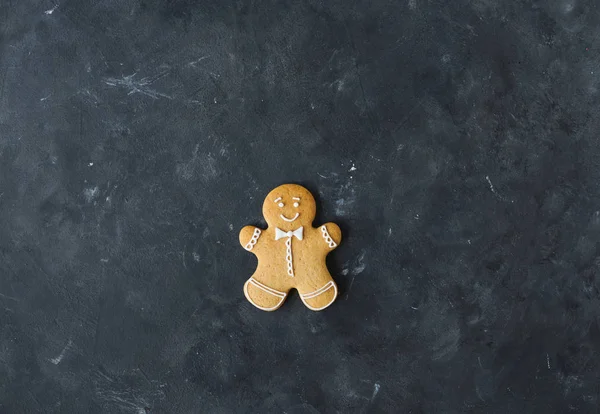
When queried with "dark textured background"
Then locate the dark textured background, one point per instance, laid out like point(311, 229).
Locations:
point(455, 142)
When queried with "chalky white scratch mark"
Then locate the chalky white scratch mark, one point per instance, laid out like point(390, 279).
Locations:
point(548, 360)
point(230, 227)
point(478, 393)
point(353, 168)
point(195, 62)
point(104, 260)
point(493, 189)
point(50, 11)
point(205, 162)
point(346, 197)
point(91, 164)
point(350, 287)
point(6, 296)
point(60, 356)
point(196, 257)
point(376, 388)
point(43, 99)
point(568, 7)
point(361, 265)
point(375, 158)
point(88, 96)
point(339, 84)
point(138, 86)
point(91, 193)
point(332, 175)
point(356, 270)
point(117, 393)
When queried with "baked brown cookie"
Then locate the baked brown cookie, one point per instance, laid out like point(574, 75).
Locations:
point(291, 252)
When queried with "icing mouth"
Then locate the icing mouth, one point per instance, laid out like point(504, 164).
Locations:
point(289, 220)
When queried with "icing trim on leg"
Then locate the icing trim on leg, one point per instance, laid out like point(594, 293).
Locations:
point(318, 292)
point(267, 289)
point(264, 288)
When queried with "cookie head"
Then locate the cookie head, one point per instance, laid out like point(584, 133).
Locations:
point(289, 206)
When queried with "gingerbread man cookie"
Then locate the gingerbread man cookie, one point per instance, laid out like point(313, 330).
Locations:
point(291, 252)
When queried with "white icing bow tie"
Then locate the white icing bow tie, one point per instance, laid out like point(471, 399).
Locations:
point(280, 233)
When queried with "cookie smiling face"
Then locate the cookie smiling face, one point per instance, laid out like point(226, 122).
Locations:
point(289, 206)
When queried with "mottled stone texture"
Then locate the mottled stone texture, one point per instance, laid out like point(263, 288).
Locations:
point(456, 143)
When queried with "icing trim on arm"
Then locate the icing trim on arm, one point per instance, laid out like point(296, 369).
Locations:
point(327, 237)
point(253, 240)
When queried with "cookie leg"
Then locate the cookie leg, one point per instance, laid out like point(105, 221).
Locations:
point(321, 298)
point(262, 296)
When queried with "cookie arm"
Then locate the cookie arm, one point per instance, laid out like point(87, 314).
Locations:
point(249, 236)
point(332, 235)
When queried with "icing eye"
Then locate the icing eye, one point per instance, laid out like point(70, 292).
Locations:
point(296, 204)
point(280, 204)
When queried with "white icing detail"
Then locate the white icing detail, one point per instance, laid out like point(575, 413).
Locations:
point(289, 220)
point(253, 240)
point(296, 204)
point(318, 292)
point(299, 233)
point(280, 204)
point(327, 237)
point(289, 259)
point(277, 199)
point(267, 289)
point(296, 198)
